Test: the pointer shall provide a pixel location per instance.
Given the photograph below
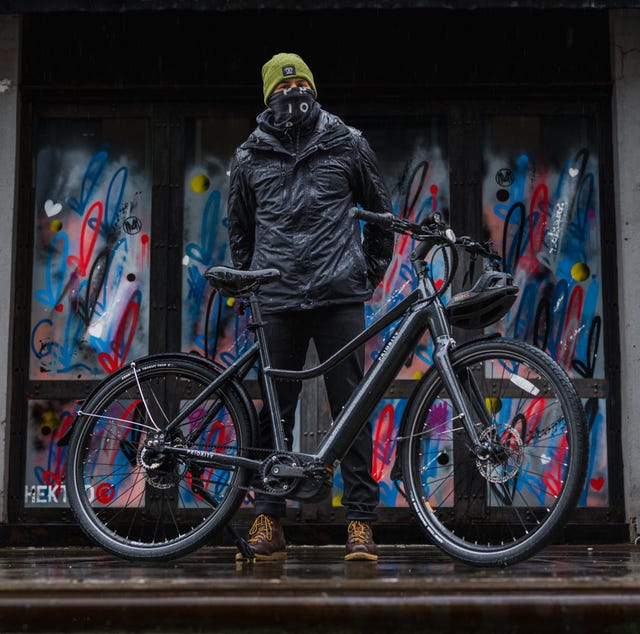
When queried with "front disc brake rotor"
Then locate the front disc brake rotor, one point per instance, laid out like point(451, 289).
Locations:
point(505, 454)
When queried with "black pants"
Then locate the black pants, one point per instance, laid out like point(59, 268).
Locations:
point(288, 336)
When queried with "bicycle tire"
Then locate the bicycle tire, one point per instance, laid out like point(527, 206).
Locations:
point(140, 505)
point(504, 509)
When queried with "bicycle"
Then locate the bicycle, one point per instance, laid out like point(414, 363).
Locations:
point(491, 450)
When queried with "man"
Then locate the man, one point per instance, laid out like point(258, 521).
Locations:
point(292, 183)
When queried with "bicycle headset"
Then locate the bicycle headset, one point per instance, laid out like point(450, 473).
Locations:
point(487, 301)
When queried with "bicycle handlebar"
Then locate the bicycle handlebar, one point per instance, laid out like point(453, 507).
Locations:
point(382, 219)
point(432, 229)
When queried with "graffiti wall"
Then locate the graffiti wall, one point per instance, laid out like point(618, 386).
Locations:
point(90, 290)
point(90, 276)
point(541, 208)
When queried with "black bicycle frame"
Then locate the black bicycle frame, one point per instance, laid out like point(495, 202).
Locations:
point(420, 311)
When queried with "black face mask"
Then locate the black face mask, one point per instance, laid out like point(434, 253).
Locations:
point(291, 106)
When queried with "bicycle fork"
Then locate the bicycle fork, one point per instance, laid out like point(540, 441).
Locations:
point(442, 344)
point(462, 401)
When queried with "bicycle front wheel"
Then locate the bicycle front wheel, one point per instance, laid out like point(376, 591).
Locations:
point(500, 505)
point(142, 504)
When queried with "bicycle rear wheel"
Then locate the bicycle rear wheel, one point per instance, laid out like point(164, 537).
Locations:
point(500, 508)
point(140, 504)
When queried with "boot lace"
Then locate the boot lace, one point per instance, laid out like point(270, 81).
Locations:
point(358, 532)
point(261, 530)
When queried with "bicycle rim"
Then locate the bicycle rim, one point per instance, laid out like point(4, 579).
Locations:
point(141, 504)
point(503, 507)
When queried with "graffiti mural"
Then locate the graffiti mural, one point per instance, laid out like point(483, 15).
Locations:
point(90, 291)
point(89, 309)
point(541, 209)
point(45, 461)
point(90, 275)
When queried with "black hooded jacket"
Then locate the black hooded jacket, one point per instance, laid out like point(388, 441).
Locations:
point(289, 209)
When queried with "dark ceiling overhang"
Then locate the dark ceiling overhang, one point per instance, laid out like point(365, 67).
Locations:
point(118, 6)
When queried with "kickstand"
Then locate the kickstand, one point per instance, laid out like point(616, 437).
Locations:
point(246, 551)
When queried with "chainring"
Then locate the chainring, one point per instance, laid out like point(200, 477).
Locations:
point(274, 484)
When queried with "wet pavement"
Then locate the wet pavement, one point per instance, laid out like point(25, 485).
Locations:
point(573, 588)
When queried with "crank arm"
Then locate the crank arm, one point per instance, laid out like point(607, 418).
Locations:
point(245, 549)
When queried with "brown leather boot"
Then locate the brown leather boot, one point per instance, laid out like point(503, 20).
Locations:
point(360, 544)
point(266, 537)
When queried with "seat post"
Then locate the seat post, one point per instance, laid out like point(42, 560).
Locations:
point(268, 387)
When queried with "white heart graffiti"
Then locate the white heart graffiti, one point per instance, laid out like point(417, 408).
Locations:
point(51, 208)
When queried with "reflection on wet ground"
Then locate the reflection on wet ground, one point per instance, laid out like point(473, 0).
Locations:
point(411, 588)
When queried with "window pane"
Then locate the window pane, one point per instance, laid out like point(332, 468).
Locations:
point(541, 208)
point(209, 326)
point(44, 463)
point(90, 292)
point(413, 159)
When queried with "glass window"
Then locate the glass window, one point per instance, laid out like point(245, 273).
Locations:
point(44, 465)
point(90, 291)
point(211, 326)
point(541, 207)
point(413, 159)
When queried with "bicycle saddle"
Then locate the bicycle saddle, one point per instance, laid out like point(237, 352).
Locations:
point(236, 282)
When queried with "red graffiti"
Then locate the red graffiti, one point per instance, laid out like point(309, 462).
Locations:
point(383, 445)
point(553, 481)
point(88, 239)
point(50, 478)
point(434, 196)
point(124, 339)
point(105, 493)
point(572, 326)
point(538, 221)
point(144, 241)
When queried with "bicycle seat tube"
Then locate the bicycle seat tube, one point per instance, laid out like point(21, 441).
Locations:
point(268, 387)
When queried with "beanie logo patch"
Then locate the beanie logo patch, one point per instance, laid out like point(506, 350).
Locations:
point(288, 71)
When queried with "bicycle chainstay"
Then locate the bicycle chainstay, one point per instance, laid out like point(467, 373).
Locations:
point(255, 478)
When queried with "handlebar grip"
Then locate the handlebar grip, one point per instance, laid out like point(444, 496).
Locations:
point(382, 219)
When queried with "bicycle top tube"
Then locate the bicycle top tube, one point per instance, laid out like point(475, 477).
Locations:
point(394, 314)
point(244, 284)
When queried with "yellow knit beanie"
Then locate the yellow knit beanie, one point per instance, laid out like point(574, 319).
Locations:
point(283, 66)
